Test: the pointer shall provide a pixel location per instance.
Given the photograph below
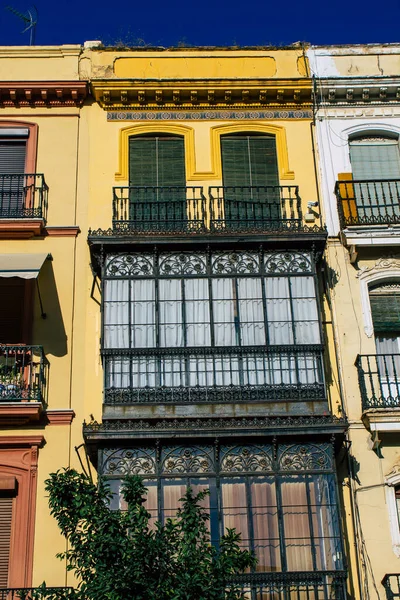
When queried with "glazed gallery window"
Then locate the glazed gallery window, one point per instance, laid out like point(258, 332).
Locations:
point(285, 507)
point(200, 304)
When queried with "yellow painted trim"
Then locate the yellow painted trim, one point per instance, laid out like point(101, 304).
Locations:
point(190, 148)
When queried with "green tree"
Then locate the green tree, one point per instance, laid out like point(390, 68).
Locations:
point(119, 555)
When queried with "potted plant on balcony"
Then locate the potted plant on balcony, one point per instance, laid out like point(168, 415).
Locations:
point(11, 382)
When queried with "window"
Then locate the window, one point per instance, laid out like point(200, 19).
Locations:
point(12, 166)
point(385, 310)
point(250, 177)
point(157, 179)
point(204, 320)
point(375, 161)
point(285, 507)
point(15, 310)
point(6, 507)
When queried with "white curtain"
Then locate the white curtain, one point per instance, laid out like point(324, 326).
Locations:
point(251, 314)
point(143, 333)
point(224, 312)
point(197, 312)
point(170, 313)
point(279, 314)
point(305, 313)
point(116, 313)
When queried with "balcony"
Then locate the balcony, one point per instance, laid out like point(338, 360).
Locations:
point(22, 379)
point(379, 381)
point(371, 209)
point(391, 583)
point(51, 593)
point(283, 377)
point(156, 213)
point(23, 204)
point(309, 585)
point(241, 209)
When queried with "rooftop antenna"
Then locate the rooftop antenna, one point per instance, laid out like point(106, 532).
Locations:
point(30, 18)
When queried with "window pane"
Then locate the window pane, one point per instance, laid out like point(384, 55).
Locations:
point(224, 312)
point(234, 507)
point(265, 523)
point(143, 314)
point(296, 524)
point(116, 313)
point(197, 312)
point(251, 312)
point(170, 312)
point(279, 315)
point(325, 522)
point(171, 492)
point(305, 313)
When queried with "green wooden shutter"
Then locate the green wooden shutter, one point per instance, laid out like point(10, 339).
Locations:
point(6, 505)
point(250, 162)
point(385, 309)
point(157, 162)
point(158, 165)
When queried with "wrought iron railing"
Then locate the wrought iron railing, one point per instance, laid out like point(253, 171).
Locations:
point(159, 209)
point(259, 208)
point(391, 583)
point(40, 593)
point(379, 380)
point(23, 196)
point(213, 375)
point(316, 585)
point(21, 373)
point(227, 209)
point(366, 202)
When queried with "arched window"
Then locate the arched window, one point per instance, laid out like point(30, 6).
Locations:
point(157, 180)
point(375, 161)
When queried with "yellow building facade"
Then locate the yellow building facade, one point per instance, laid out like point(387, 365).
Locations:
point(172, 260)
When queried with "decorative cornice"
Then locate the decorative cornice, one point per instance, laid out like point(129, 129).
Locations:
point(349, 91)
point(42, 93)
point(20, 228)
point(21, 441)
point(19, 413)
point(199, 425)
point(198, 94)
point(62, 416)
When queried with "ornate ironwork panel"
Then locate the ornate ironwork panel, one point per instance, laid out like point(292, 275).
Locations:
point(182, 263)
point(305, 457)
point(183, 460)
point(132, 461)
point(288, 262)
point(241, 459)
point(130, 265)
point(233, 263)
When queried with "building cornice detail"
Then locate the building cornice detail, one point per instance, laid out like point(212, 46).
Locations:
point(42, 93)
point(357, 91)
point(40, 51)
point(198, 94)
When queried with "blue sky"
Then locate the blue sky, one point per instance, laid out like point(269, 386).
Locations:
point(209, 22)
